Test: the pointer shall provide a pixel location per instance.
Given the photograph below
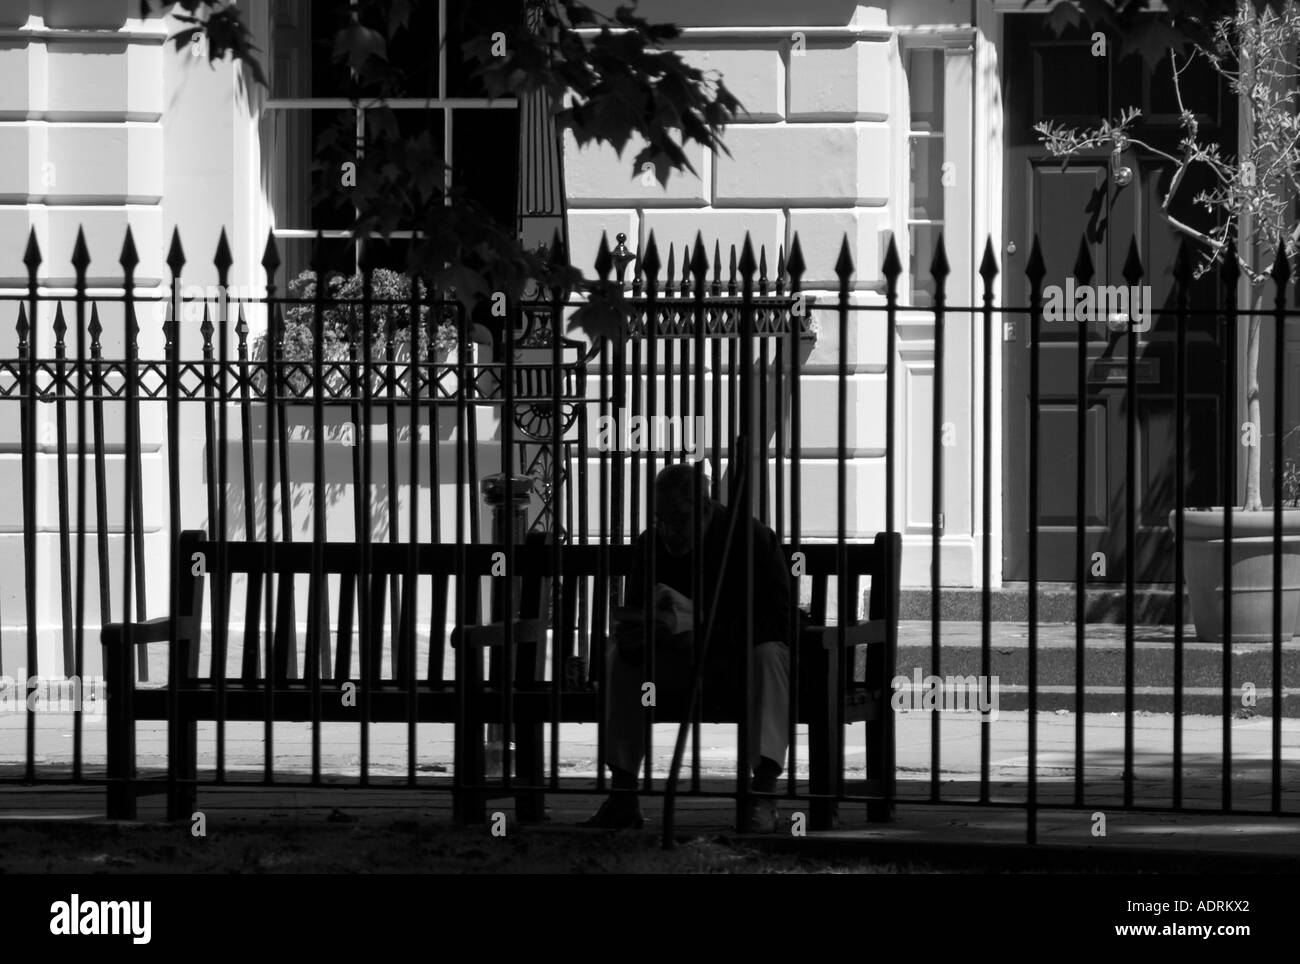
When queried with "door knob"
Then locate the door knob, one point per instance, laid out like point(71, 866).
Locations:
point(1011, 247)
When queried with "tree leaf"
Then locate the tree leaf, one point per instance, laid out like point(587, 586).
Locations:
point(357, 44)
point(606, 312)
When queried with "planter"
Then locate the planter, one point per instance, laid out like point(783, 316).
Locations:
point(1252, 572)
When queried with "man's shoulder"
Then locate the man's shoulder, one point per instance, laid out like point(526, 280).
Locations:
point(764, 535)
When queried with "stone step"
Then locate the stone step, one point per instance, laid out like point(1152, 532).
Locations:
point(1153, 603)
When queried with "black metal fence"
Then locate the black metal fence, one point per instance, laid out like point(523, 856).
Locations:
point(731, 353)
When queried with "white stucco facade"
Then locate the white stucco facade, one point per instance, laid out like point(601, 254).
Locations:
point(102, 126)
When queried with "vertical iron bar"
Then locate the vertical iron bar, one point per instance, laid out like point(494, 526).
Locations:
point(365, 622)
point(1183, 280)
point(463, 798)
point(650, 263)
point(699, 266)
point(209, 471)
point(410, 594)
point(223, 582)
point(843, 271)
point(27, 423)
point(80, 261)
point(988, 271)
point(798, 313)
point(560, 258)
point(507, 514)
point(286, 630)
point(745, 508)
point(634, 475)
point(892, 268)
point(1034, 271)
point(251, 642)
point(171, 341)
point(670, 350)
point(733, 366)
point(1083, 272)
point(317, 618)
point(764, 510)
point(1281, 273)
point(128, 260)
point(61, 474)
point(270, 262)
point(1229, 272)
point(715, 388)
point(101, 467)
point(778, 391)
point(939, 271)
point(390, 451)
point(1132, 273)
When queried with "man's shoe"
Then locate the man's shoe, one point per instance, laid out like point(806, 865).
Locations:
point(620, 811)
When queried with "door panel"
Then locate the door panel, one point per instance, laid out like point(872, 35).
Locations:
point(1050, 77)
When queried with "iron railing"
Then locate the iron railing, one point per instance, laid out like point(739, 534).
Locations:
point(684, 331)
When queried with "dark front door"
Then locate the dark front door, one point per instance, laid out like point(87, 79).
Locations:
point(1057, 78)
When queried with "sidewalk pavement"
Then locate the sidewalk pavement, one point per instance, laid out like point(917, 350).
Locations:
point(993, 831)
point(980, 833)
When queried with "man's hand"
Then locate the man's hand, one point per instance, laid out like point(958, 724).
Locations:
point(674, 610)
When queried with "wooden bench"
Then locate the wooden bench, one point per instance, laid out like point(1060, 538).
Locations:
point(422, 694)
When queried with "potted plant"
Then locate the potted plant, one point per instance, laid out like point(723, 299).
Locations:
point(1254, 196)
point(342, 319)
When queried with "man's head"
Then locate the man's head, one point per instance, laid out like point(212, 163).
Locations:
point(676, 502)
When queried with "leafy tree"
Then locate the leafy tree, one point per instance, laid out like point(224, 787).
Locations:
point(606, 88)
point(1179, 26)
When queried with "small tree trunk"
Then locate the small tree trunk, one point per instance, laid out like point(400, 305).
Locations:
point(1253, 500)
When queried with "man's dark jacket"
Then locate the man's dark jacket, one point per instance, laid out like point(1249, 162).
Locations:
point(771, 583)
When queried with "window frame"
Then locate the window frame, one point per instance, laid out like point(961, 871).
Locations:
point(447, 105)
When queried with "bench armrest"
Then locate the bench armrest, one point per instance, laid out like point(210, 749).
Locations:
point(156, 630)
point(494, 634)
point(871, 631)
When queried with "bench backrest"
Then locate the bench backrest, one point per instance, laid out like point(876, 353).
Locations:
point(396, 640)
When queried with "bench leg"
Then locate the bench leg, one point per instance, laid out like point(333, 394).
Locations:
point(182, 793)
point(878, 811)
point(824, 736)
point(120, 770)
point(467, 806)
point(119, 672)
point(530, 807)
point(823, 757)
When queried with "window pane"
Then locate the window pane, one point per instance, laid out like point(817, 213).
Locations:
point(921, 241)
point(485, 146)
point(391, 254)
point(302, 45)
point(925, 89)
point(413, 139)
point(296, 258)
point(927, 178)
point(298, 190)
point(413, 51)
point(329, 78)
point(471, 18)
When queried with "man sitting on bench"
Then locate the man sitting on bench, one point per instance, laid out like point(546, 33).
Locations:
point(675, 568)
